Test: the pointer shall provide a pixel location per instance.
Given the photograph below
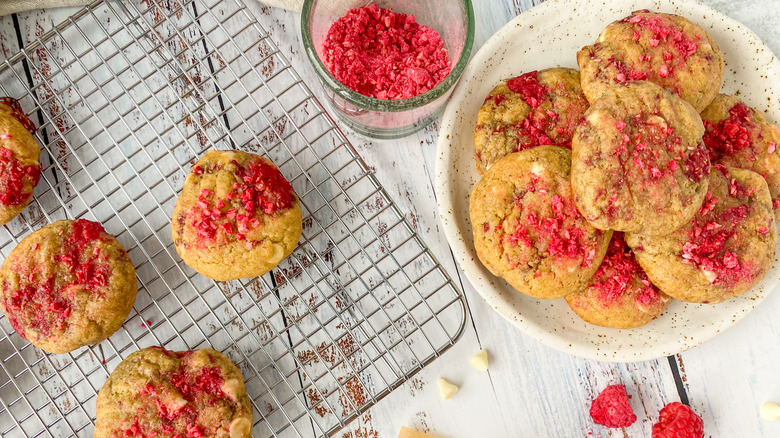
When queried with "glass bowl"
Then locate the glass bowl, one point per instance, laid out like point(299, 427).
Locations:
point(387, 119)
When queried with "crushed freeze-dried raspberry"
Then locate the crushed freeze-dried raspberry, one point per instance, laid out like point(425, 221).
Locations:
point(710, 241)
point(16, 180)
point(617, 272)
point(204, 386)
point(611, 408)
point(46, 301)
point(528, 86)
point(731, 134)
point(258, 188)
point(383, 54)
point(677, 420)
point(557, 233)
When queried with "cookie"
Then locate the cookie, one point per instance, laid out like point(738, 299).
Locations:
point(527, 229)
point(533, 109)
point(20, 169)
point(739, 136)
point(666, 49)
point(620, 295)
point(236, 217)
point(67, 285)
point(160, 393)
point(638, 162)
point(724, 251)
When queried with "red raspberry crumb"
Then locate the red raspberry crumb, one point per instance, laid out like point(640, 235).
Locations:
point(677, 420)
point(383, 54)
point(611, 408)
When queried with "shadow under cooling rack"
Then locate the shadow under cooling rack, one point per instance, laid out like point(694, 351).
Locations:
point(127, 95)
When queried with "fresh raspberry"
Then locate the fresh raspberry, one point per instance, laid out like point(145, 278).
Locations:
point(611, 408)
point(677, 420)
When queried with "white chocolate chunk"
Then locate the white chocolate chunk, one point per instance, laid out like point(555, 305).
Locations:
point(277, 253)
point(770, 411)
point(480, 361)
point(232, 387)
point(710, 275)
point(446, 389)
point(173, 401)
point(411, 433)
point(241, 427)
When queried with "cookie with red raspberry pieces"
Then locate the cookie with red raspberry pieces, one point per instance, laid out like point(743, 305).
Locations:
point(726, 249)
point(527, 229)
point(677, 420)
point(536, 108)
point(620, 295)
point(739, 136)
point(665, 49)
point(160, 393)
point(236, 217)
point(638, 162)
point(611, 408)
point(20, 169)
point(67, 285)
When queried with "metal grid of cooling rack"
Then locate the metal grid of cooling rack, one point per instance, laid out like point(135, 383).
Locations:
point(127, 96)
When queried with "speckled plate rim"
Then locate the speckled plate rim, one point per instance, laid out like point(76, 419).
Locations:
point(549, 35)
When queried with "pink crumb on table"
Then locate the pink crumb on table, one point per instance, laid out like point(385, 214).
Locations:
point(385, 55)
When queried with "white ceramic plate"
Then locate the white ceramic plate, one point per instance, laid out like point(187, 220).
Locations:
point(550, 35)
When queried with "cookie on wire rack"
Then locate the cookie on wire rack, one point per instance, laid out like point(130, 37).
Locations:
point(739, 136)
point(67, 285)
point(156, 393)
point(236, 217)
point(20, 169)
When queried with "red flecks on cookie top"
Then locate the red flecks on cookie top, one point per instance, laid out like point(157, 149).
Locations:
point(708, 245)
point(528, 86)
point(556, 233)
point(384, 55)
point(677, 420)
point(16, 112)
point(611, 408)
point(731, 134)
point(16, 179)
point(259, 189)
point(655, 30)
point(177, 407)
point(617, 272)
point(661, 30)
point(641, 141)
point(43, 301)
point(534, 129)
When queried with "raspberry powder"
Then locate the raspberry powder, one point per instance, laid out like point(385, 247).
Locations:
point(384, 55)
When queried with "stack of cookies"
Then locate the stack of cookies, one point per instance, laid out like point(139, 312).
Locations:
point(630, 182)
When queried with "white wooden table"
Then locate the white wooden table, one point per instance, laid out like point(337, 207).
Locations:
point(530, 389)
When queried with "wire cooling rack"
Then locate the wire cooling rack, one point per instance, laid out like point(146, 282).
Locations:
point(127, 96)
